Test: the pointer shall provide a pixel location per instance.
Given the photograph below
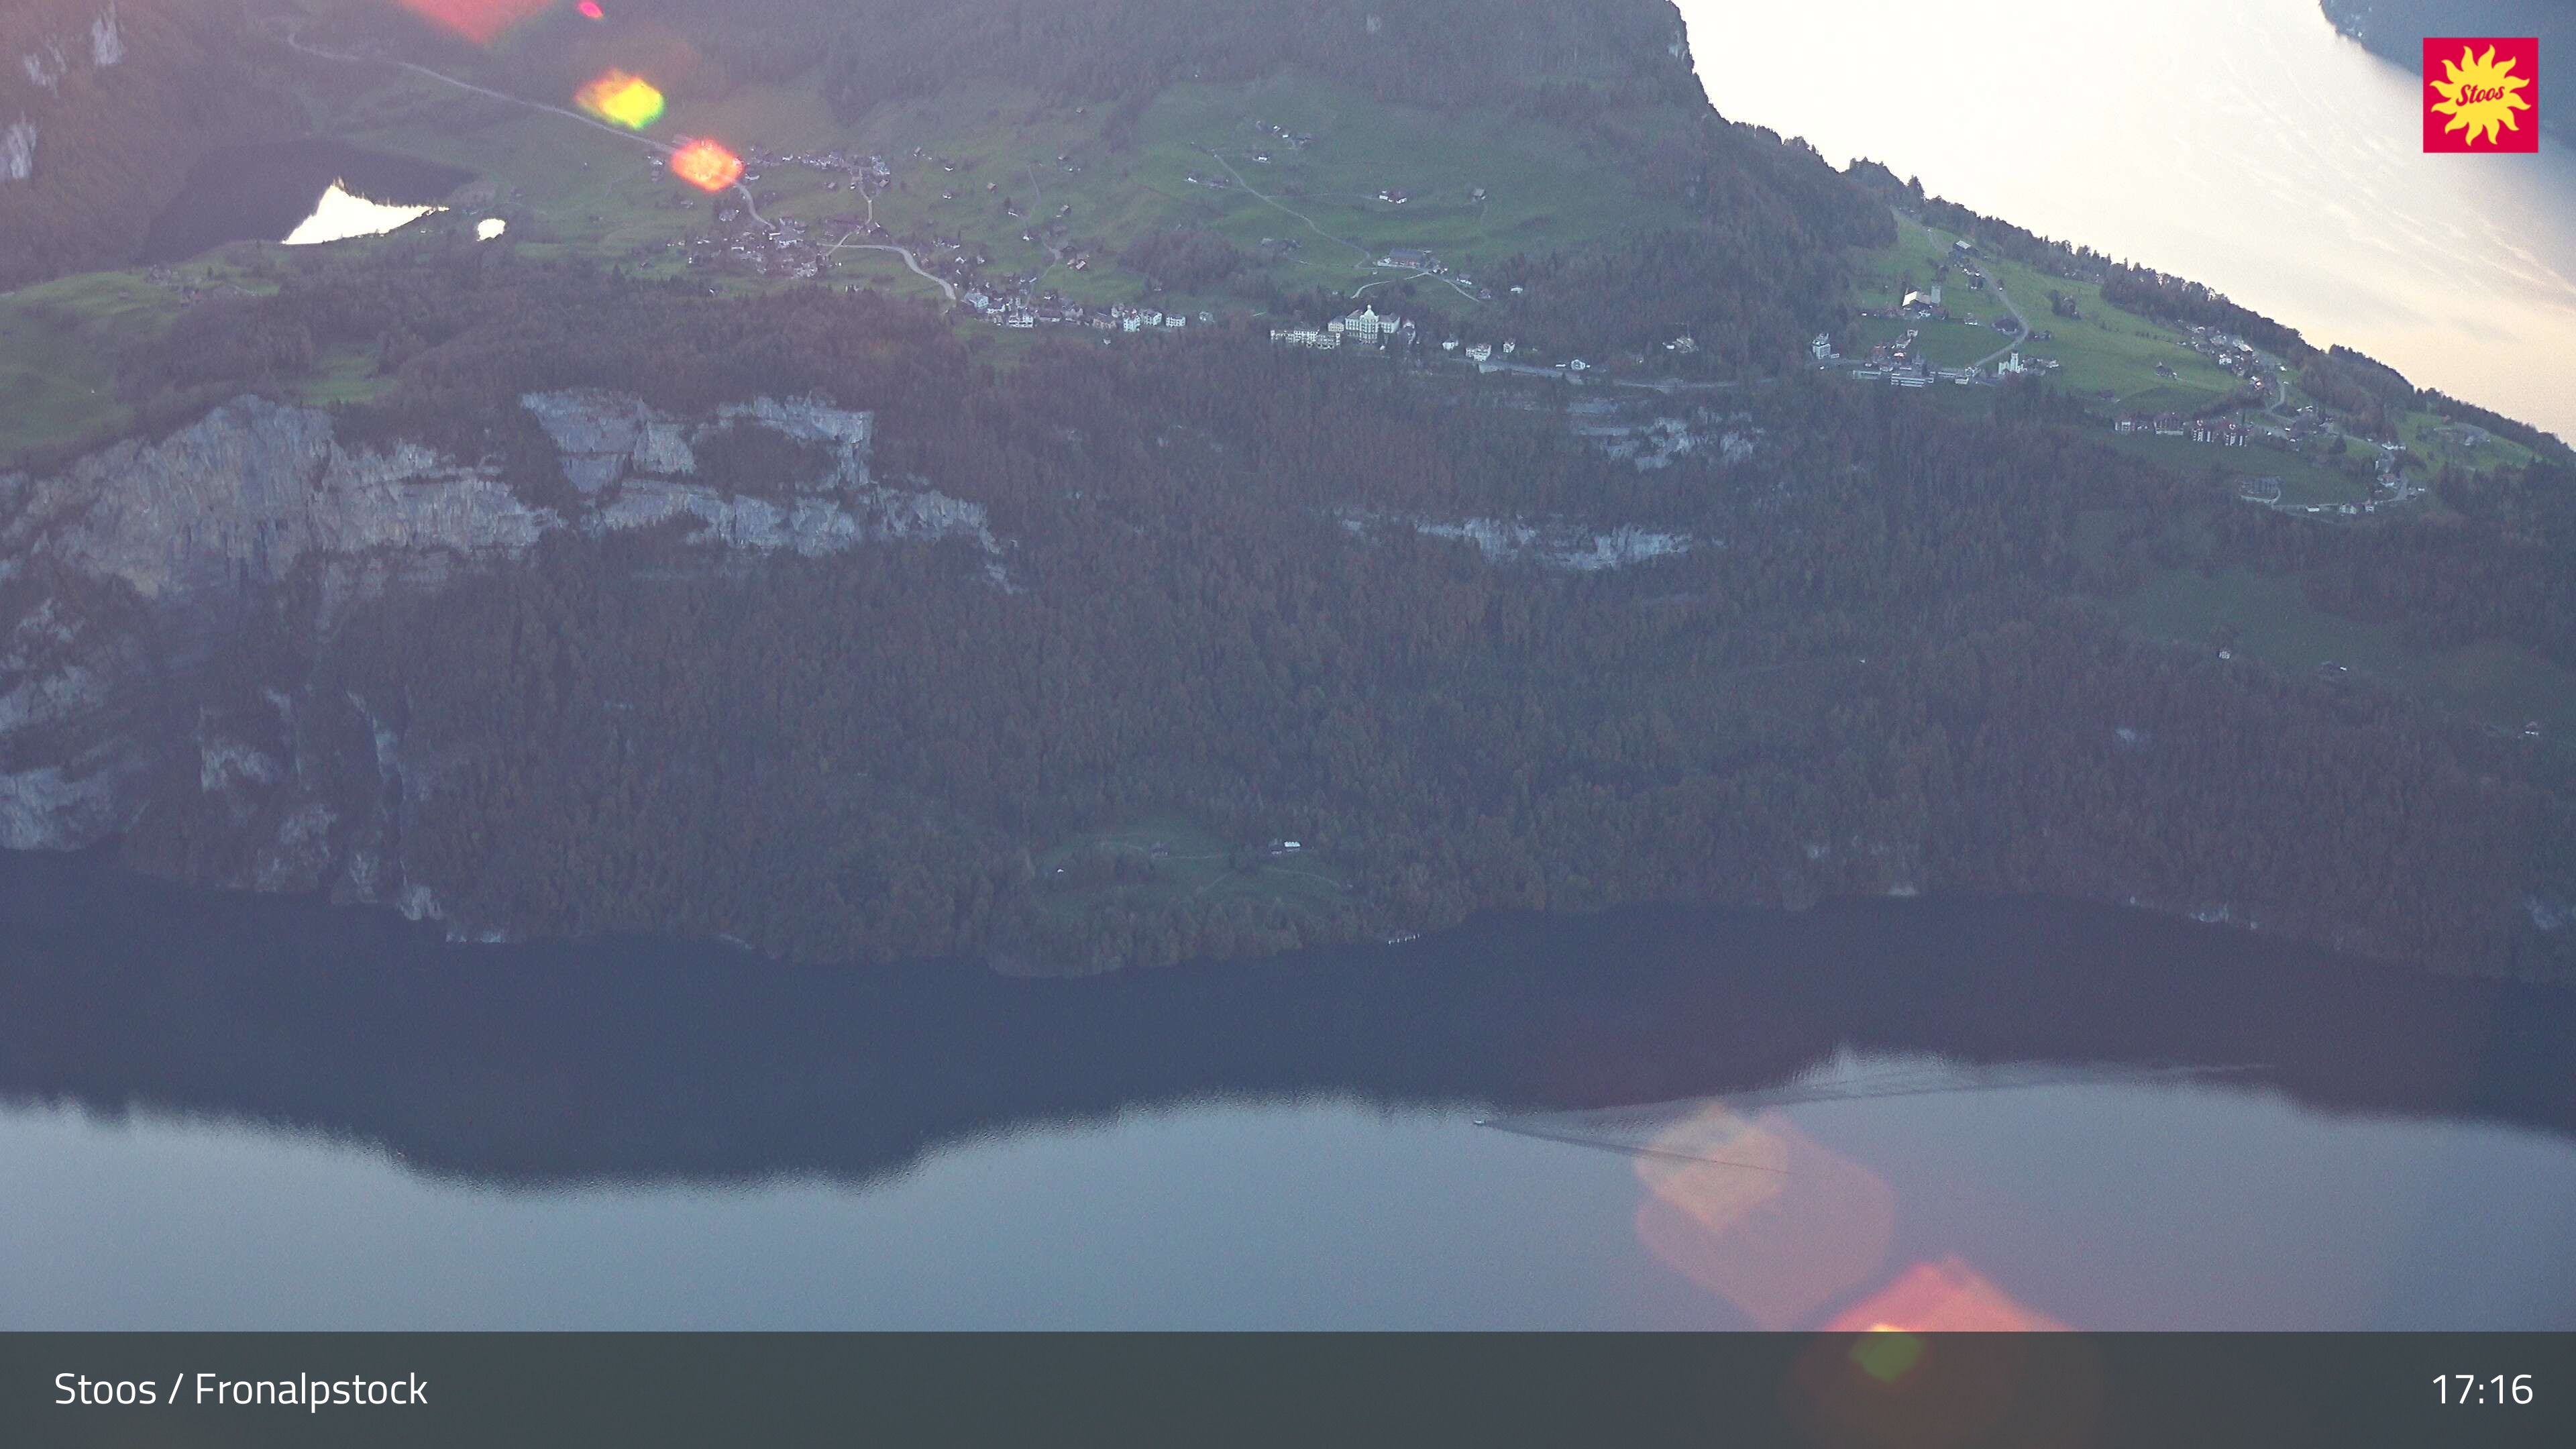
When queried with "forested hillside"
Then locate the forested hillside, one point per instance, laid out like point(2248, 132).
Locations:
point(106, 107)
point(1718, 629)
point(1864, 661)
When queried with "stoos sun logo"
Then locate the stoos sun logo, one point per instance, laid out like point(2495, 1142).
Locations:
point(2481, 94)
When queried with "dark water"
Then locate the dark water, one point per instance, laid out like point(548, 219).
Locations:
point(233, 1112)
point(260, 193)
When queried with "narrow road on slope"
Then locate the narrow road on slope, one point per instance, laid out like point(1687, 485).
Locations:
point(946, 288)
point(1301, 216)
point(1996, 284)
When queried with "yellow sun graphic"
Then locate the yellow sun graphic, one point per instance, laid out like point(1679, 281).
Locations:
point(2479, 96)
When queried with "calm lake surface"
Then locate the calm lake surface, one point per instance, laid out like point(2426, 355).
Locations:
point(226, 1112)
point(266, 192)
point(2242, 143)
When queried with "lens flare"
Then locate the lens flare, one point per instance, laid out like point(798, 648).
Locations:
point(626, 100)
point(480, 21)
point(1944, 1297)
point(590, 10)
point(1758, 1212)
point(706, 165)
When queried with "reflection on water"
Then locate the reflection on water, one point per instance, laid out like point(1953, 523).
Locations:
point(338, 216)
point(2242, 143)
point(236, 1112)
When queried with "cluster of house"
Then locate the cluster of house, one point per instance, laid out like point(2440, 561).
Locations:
point(2233, 354)
point(1416, 259)
point(781, 251)
point(190, 293)
point(855, 165)
point(1898, 364)
point(1363, 327)
point(1021, 315)
point(1915, 373)
point(2019, 366)
point(2225, 432)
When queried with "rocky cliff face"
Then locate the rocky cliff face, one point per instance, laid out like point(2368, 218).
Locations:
point(125, 575)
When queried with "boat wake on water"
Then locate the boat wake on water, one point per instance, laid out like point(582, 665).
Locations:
point(1713, 1129)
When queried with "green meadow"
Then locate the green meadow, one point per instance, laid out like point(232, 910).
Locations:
point(1170, 860)
point(2267, 619)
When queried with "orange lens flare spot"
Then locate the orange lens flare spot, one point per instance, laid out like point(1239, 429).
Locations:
point(1943, 1297)
point(1758, 1212)
point(706, 165)
point(480, 21)
point(627, 100)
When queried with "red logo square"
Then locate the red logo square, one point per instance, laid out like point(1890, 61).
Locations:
point(2481, 93)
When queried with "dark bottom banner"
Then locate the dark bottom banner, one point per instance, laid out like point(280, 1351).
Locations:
point(1888, 1390)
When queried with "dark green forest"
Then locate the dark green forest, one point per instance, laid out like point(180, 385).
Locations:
point(1887, 658)
point(1879, 666)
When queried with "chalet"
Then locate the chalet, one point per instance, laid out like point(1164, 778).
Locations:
point(2170, 425)
point(1480, 352)
point(2126, 424)
point(1822, 347)
point(1412, 259)
point(2203, 430)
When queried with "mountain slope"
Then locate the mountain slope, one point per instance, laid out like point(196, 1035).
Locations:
point(108, 103)
point(643, 571)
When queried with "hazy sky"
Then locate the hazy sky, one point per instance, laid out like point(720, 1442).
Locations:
point(2242, 143)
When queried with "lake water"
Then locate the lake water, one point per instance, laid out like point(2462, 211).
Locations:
point(2242, 143)
point(309, 190)
point(232, 1112)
